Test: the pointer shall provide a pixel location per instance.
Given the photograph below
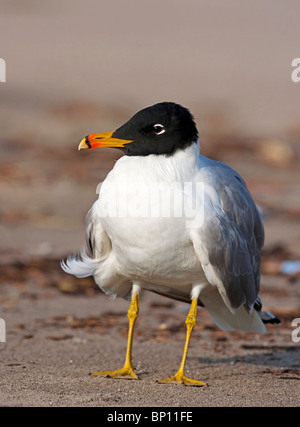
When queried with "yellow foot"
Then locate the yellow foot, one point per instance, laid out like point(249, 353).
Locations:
point(126, 374)
point(182, 379)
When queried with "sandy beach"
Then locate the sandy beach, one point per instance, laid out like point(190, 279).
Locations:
point(74, 68)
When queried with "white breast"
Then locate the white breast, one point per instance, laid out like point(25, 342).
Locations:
point(140, 207)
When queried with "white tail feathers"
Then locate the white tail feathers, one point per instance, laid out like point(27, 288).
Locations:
point(79, 266)
point(240, 319)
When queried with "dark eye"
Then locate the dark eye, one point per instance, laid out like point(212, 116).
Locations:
point(158, 129)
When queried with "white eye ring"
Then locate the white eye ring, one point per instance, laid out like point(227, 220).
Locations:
point(160, 129)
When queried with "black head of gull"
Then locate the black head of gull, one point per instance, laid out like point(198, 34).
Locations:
point(161, 129)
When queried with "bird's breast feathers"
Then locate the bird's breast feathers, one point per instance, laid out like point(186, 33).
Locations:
point(147, 211)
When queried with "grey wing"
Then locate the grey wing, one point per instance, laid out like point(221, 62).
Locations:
point(230, 240)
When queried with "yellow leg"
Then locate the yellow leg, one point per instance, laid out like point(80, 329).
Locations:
point(179, 377)
point(127, 371)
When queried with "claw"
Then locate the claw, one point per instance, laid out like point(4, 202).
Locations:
point(182, 379)
point(126, 374)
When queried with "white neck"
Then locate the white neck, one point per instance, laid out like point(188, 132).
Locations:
point(178, 167)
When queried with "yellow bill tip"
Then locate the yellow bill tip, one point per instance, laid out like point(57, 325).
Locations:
point(84, 144)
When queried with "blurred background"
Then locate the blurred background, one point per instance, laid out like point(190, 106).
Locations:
point(77, 67)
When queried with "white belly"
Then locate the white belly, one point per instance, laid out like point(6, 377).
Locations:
point(139, 206)
point(149, 244)
point(157, 250)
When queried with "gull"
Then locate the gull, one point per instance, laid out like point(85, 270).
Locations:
point(174, 222)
